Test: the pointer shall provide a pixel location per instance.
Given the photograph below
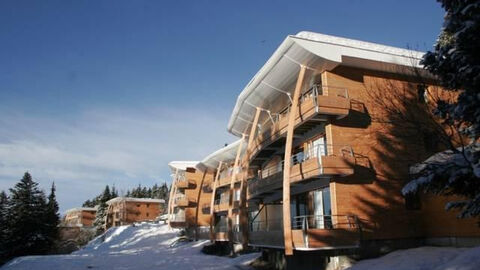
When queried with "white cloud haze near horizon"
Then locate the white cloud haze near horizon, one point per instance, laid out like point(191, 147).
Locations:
point(84, 152)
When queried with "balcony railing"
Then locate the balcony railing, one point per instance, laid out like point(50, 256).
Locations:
point(221, 204)
point(181, 180)
point(181, 200)
point(324, 159)
point(225, 177)
point(320, 102)
point(178, 217)
point(309, 232)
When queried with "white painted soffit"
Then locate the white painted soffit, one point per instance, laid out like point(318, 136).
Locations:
point(318, 52)
point(226, 154)
point(181, 165)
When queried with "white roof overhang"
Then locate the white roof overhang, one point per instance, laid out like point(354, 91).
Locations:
point(270, 87)
point(181, 165)
point(226, 154)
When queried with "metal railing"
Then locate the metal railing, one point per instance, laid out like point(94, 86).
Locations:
point(178, 217)
point(312, 152)
point(181, 176)
point(221, 200)
point(228, 172)
point(313, 92)
point(326, 222)
point(179, 197)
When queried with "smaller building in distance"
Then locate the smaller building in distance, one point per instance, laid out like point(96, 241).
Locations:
point(124, 210)
point(79, 217)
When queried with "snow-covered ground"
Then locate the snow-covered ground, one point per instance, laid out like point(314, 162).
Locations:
point(145, 246)
point(425, 258)
point(148, 246)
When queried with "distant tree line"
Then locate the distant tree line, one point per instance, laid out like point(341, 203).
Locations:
point(28, 220)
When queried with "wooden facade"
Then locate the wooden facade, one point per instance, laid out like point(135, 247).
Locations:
point(79, 217)
point(124, 210)
point(190, 200)
point(323, 167)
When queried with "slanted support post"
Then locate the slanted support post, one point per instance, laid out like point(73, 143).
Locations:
point(287, 226)
point(232, 188)
point(243, 183)
point(212, 203)
point(173, 190)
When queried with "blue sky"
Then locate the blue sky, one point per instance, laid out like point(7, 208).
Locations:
point(108, 92)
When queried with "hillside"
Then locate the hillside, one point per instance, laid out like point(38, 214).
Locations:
point(145, 246)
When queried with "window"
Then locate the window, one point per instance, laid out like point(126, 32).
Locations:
point(138, 205)
point(147, 214)
point(148, 205)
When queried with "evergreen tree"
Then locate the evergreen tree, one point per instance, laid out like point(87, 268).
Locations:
point(28, 233)
point(4, 230)
point(100, 217)
point(455, 61)
point(164, 192)
point(52, 217)
point(114, 192)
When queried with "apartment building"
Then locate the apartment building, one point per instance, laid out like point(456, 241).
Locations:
point(225, 210)
point(125, 210)
point(320, 163)
point(324, 165)
point(79, 217)
point(190, 199)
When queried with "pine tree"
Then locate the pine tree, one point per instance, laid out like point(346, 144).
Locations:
point(28, 232)
point(455, 61)
point(52, 217)
point(102, 206)
point(114, 192)
point(4, 230)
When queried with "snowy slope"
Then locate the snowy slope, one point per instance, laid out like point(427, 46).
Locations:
point(145, 246)
point(425, 258)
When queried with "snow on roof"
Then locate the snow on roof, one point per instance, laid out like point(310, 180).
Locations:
point(225, 154)
point(81, 209)
point(181, 165)
point(318, 52)
point(128, 199)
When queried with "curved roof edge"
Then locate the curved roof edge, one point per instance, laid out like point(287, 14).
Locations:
point(336, 50)
point(181, 165)
point(224, 154)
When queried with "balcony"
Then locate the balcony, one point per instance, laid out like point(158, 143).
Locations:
point(181, 181)
point(225, 177)
point(309, 232)
point(221, 204)
point(177, 217)
point(181, 200)
point(317, 162)
point(320, 103)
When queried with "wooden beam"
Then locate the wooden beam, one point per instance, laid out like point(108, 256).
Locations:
point(287, 226)
point(243, 183)
point(212, 202)
point(173, 189)
point(232, 187)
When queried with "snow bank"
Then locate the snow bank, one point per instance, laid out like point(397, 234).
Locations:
point(144, 246)
point(425, 258)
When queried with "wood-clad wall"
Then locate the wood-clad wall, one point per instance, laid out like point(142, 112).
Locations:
point(382, 159)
